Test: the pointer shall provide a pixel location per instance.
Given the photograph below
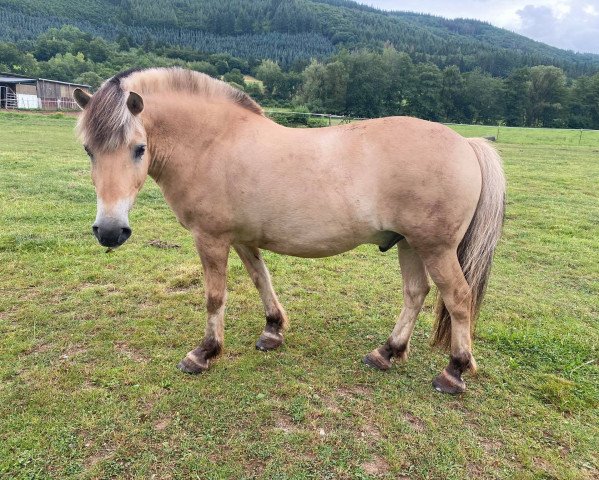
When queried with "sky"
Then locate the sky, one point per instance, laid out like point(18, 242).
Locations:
point(569, 24)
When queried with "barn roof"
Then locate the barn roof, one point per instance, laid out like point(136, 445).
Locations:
point(65, 83)
point(15, 78)
point(11, 79)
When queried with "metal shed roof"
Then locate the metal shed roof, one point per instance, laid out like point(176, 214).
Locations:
point(64, 83)
point(17, 80)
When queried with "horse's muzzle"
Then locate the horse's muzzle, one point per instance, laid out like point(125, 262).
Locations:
point(111, 235)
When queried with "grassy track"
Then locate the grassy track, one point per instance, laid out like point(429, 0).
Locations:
point(89, 340)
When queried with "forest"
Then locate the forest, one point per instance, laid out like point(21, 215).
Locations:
point(289, 30)
point(330, 56)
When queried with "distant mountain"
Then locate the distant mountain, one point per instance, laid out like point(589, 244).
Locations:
point(289, 31)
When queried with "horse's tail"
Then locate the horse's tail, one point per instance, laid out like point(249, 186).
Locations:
point(475, 252)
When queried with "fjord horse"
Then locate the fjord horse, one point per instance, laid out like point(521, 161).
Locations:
point(234, 178)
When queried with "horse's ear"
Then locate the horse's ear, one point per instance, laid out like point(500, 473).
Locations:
point(135, 103)
point(82, 98)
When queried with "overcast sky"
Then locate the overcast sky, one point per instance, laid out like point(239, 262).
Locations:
point(570, 24)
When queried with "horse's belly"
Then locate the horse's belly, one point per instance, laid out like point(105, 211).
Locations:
point(316, 250)
point(320, 243)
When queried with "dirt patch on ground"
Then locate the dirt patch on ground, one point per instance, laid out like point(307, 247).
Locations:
point(162, 244)
point(490, 446)
point(229, 355)
point(376, 466)
point(184, 284)
point(94, 454)
point(414, 422)
point(370, 432)
point(476, 471)
point(346, 398)
point(543, 465)
point(162, 424)
point(254, 468)
point(331, 405)
point(73, 351)
point(130, 352)
point(354, 392)
point(97, 457)
point(38, 348)
point(284, 423)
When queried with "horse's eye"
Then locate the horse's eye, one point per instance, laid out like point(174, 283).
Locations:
point(88, 151)
point(139, 151)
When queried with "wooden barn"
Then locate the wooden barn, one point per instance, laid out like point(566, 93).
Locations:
point(18, 91)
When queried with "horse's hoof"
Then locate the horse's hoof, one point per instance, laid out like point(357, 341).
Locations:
point(375, 360)
point(269, 341)
point(188, 365)
point(446, 383)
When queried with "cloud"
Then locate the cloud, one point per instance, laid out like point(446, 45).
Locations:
point(570, 24)
point(576, 28)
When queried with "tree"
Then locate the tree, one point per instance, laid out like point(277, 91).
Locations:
point(516, 93)
point(584, 103)
point(483, 95)
point(64, 67)
point(400, 80)
point(12, 60)
point(367, 84)
point(547, 96)
point(452, 95)
point(90, 78)
point(234, 76)
point(425, 102)
point(254, 90)
point(324, 87)
point(271, 75)
point(336, 79)
point(312, 91)
point(203, 67)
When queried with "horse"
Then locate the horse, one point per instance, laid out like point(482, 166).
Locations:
point(234, 178)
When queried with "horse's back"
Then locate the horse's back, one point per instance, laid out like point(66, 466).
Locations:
point(331, 189)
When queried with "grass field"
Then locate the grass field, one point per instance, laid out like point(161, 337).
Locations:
point(89, 340)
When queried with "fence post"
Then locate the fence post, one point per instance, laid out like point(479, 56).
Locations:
point(580, 137)
point(329, 119)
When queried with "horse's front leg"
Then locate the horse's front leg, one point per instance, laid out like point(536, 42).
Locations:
point(276, 319)
point(214, 254)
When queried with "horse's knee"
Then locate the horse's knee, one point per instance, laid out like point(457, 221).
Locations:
point(414, 294)
point(214, 301)
point(459, 305)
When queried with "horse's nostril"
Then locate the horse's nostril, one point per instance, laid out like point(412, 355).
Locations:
point(95, 230)
point(125, 234)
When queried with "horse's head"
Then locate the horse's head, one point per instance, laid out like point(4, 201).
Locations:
point(114, 138)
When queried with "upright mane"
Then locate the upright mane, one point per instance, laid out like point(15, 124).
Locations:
point(106, 122)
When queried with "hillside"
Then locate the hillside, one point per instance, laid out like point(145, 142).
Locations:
point(290, 31)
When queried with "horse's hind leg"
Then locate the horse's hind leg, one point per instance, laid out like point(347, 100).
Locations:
point(415, 289)
point(276, 319)
point(445, 270)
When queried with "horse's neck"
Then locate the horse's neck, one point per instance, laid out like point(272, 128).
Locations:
point(177, 132)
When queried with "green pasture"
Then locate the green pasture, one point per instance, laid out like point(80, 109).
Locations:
point(89, 340)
